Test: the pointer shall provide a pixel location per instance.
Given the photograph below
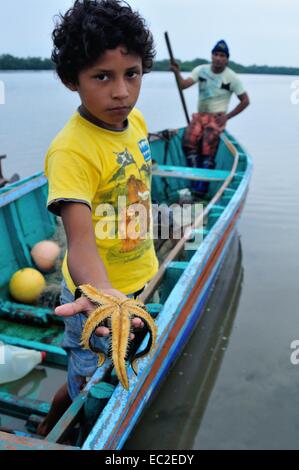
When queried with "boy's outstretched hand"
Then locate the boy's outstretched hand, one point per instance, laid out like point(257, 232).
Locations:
point(83, 305)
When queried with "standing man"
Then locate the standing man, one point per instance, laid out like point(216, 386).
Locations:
point(217, 83)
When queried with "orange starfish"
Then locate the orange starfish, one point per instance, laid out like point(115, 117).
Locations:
point(119, 313)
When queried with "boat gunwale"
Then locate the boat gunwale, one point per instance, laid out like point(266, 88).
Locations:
point(16, 190)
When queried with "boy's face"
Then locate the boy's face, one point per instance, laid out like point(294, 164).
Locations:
point(110, 88)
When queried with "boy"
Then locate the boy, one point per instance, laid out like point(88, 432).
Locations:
point(101, 50)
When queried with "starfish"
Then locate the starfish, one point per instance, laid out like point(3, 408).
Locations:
point(119, 313)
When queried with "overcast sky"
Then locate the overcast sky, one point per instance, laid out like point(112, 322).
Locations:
point(257, 31)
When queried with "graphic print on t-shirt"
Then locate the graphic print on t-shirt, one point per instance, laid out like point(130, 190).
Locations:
point(132, 223)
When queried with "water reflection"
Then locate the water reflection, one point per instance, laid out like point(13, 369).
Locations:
point(28, 386)
point(40, 384)
point(173, 419)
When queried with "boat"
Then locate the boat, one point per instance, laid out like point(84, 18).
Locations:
point(104, 414)
point(175, 424)
point(4, 181)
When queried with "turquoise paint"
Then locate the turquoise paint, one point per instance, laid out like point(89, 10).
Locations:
point(191, 173)
point(54, 355)
point(154, 309)
point(22, 407)
point(178, 279)
point(49, 334)
point(13, 310)
point(24, 221)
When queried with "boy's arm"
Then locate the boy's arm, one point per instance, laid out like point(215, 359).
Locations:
point(84, 262)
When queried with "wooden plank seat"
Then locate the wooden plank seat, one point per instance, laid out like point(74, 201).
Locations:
point(189, 173)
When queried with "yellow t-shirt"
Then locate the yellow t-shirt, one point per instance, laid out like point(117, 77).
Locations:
point(109, 170)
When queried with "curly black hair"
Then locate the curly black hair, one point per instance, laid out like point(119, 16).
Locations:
point(91, 27)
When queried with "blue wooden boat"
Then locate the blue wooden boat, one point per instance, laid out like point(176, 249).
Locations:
point(191, 381)
point(104, 414)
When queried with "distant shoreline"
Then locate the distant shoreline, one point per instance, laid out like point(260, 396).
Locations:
point(11, 63)
point(187, 66)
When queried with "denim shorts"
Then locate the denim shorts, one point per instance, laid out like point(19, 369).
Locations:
point(81, 362)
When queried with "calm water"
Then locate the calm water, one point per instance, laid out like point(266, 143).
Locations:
point(235, 386)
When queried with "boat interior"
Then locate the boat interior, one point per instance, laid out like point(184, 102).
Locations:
point(24, 221)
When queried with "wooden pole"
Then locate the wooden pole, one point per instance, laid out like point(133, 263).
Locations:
point(172, 61)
